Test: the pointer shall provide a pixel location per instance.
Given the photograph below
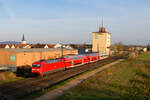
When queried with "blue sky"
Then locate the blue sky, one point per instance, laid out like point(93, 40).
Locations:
point(72, 21)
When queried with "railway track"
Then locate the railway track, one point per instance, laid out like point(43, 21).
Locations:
point(28, 86)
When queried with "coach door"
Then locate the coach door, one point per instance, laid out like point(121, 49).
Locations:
point(68, 63)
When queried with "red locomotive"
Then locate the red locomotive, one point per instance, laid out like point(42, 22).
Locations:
point(44, 66)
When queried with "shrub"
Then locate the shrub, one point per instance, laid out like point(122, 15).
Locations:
point(139, 88)
point(132, 56)
point(6, 75)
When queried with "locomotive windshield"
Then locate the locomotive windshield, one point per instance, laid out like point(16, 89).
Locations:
point(36, 65)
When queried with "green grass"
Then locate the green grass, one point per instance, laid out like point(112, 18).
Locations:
point(10, 80)
point(115, 82)
point(146, 55)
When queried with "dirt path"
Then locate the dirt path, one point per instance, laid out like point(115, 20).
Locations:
point(54, 94)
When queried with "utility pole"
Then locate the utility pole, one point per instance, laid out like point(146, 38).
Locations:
point(62, 51)
point(98, 47)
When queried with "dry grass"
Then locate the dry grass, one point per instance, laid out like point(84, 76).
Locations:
point(7, 77)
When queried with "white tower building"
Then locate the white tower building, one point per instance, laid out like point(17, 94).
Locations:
point(101, 41)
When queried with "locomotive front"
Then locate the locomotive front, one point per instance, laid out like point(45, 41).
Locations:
point(36, 67)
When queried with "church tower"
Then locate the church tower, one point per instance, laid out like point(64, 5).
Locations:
point(23, 40)
point(101, 41)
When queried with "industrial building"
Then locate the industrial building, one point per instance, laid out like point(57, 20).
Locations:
point(101, 41)
point(21, 57)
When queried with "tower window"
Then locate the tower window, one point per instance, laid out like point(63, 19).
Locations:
point(96, 36)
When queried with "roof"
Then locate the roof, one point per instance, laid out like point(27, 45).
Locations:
point(34, 49)
point(101, 30)
point(22, 45)
point(2, 45)
point(38, 46)
point(50, 45)
point(42, 45)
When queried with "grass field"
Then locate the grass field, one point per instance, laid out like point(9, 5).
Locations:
point(128, 80)
point(146, 55)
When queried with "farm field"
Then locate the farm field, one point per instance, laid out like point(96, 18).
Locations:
point(128, 80)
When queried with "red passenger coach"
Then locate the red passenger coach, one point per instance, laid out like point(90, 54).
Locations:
point(86, 58)
point(76, 59)
point(94, 56)
point(67, 62)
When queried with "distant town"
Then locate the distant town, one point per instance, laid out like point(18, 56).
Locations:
point(17, 54)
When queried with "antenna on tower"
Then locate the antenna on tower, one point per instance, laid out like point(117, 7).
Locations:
point(102, 21)
point(23, 39)
point(98, 22)
point(101, 27)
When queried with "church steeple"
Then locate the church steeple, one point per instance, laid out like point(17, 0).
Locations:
point(23, 40)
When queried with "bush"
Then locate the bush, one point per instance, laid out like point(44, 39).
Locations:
point(139, 87)
point(132, 56)
point(7, 75)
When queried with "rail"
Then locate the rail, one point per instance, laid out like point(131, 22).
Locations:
point(25, 87)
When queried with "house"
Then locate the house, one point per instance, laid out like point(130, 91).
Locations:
point(27, 46)
point(58, 45)
point(145, 49)
point(64, 46)
point(12, 46)
point(4, 46)
point(7, 46)
point(43, 46)
point(68, 47)
point(48, 46)
point(23, 46)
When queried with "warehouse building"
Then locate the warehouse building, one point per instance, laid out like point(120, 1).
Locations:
point(21, 57)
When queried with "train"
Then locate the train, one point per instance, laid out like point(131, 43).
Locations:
point(44, 66)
